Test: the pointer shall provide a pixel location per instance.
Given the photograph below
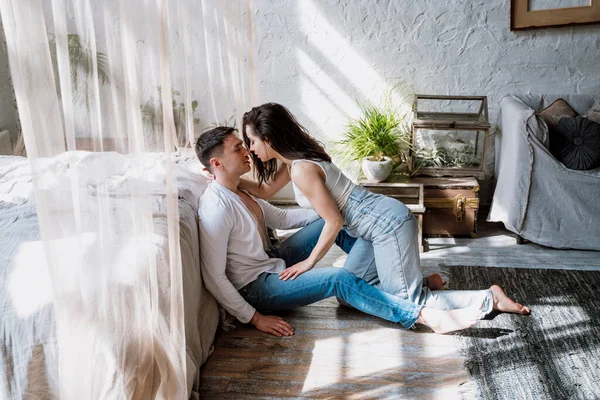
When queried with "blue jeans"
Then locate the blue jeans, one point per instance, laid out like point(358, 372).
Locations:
point(392, 232)
point(386, 253)
point(268, 293)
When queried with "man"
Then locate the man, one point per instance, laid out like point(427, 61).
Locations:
point(242, 270)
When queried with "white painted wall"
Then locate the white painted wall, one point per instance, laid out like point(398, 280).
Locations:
point(320, 56)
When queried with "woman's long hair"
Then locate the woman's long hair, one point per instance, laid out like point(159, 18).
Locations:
point(275, 124)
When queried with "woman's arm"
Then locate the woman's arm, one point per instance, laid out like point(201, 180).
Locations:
point(267, 189)
point(310, 179)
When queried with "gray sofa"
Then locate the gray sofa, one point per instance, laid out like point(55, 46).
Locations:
point(536, 196)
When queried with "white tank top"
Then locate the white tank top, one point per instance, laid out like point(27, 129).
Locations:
point(339, 185)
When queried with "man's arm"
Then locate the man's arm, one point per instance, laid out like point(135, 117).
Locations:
point(279, 218)
point(215, 228)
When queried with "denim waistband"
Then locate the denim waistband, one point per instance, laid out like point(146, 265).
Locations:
point(356, 197)
point(359, 193)
point(364, 201)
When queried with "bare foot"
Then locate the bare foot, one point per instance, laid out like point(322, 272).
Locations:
point(435, 282)
point(503, 303)
point(444, 321)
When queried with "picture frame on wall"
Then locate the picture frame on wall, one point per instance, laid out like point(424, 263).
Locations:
point(522, 17)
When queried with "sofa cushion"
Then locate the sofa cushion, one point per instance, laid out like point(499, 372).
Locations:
point(593, 114)
point(555, 111)
point(575, 141)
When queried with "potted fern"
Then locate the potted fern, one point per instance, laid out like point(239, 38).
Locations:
point(379, 138)
point(152, 116)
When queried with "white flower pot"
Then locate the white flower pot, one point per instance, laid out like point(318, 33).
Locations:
point(377, 171)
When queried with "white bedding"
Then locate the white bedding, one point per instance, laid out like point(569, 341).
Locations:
point(28, 352)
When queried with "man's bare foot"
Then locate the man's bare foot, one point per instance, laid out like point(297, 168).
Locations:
point(435, 282)
point(503, 303)
point(444, 321)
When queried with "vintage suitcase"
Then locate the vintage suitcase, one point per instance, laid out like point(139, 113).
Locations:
point(451, 206)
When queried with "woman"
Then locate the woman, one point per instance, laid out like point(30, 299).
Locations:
point(385, 228)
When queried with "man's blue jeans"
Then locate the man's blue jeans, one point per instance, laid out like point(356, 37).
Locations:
point(268, 293)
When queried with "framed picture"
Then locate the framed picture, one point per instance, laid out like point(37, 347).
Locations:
point(522, 17)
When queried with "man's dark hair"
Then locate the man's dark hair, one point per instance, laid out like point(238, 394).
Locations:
point(210, 144)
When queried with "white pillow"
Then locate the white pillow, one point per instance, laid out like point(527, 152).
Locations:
point(191, 181)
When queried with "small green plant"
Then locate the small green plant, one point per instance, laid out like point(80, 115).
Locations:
point(463, 157)
point(152, 115)
point(231, 122)
point(459, 155)
point(81, 62)
point(431, 157)
point(378, 132)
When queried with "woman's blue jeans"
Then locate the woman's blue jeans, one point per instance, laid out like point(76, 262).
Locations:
point(268, 293)
point(387, 253)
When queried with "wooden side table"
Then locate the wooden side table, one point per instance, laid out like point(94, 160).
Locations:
point(411, 194)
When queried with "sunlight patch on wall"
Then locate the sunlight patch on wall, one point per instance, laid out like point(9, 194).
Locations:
point(327, 113)
point(324, 101)
point(325, 38)
point(331, 87)
point(320, 110)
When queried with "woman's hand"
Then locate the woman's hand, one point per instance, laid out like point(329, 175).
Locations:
point(296, 270)
point(209, 175)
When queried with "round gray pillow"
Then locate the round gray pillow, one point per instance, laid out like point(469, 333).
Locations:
point(575, 142)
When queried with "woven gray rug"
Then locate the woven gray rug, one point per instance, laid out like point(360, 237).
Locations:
point(554, 353)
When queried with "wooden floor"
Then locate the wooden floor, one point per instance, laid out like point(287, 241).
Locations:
point(497, 247)
point(337, 353)
point(341, 353)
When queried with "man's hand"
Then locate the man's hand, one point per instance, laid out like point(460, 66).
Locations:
point(208, 175)
point(296, 270)
point(272, 324)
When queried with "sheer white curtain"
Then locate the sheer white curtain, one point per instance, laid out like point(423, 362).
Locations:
point(101, 86)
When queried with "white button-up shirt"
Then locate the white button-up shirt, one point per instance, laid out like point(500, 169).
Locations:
point(231, 248)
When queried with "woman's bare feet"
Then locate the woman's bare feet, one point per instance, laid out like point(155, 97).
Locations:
point(444, 321)
point(435, 282)
point(503, 303)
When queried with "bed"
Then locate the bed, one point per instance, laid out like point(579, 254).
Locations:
point(28, 355)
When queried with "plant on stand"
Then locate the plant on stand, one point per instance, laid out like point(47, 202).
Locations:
point(379, 138)
point(456, 154)
point(152, 116)
point(81, 62)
